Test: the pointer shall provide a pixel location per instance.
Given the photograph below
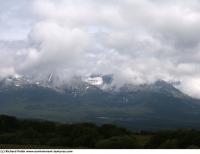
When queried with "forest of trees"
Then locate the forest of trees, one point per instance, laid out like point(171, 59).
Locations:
point(28, 133)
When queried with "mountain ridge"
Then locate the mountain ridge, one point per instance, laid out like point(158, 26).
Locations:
point(147, 106)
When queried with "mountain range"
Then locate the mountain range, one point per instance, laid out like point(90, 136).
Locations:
point(157, 105)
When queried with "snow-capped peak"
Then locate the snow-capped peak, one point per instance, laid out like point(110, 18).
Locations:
point(17, 76)
point(96, 81)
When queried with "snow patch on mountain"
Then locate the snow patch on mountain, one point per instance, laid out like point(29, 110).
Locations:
point(80, 85)
point(96, 81)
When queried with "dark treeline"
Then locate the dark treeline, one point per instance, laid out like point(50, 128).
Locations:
point(36, 133)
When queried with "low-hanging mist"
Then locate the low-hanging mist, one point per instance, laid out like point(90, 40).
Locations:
point(136, 41)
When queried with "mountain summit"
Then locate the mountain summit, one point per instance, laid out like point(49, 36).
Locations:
point(147, 106)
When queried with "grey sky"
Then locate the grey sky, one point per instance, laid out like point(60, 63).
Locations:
point(138, 41)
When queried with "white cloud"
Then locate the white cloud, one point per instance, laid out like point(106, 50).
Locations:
point(137, 41)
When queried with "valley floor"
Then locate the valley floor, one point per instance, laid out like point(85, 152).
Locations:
point(33, 134)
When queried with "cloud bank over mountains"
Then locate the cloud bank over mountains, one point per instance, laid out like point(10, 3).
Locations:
point(136, 41)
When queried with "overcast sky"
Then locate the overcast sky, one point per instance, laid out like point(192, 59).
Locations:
point(139, 41)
